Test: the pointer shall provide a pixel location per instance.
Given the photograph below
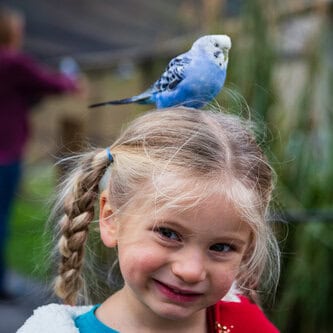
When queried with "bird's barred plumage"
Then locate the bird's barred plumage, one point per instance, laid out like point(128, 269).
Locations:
point(173, 74)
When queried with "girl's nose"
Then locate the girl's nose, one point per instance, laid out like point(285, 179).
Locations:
point(189, 267)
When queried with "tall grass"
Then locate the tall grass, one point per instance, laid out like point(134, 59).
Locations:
point(27, 243)
point(299, 141)
point(305, 303)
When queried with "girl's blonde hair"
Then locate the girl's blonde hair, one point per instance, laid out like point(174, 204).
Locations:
point(207, 152)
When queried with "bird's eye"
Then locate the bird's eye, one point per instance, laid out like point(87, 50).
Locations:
point(216, 44)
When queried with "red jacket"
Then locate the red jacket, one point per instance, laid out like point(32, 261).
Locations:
point(238, 317)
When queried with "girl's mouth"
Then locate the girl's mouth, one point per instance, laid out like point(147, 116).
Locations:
point(175, 294)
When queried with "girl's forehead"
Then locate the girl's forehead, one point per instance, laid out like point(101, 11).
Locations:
point(179, 192)
point(185, 202)
point(205, 206)
point(171, 193)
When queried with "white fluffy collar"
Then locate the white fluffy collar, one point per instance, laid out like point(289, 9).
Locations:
point(53, 318)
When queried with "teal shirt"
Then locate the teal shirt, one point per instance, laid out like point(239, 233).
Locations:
point(88, 323)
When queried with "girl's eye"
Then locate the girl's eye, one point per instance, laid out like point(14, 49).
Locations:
point(168, 233)
point(221, 247)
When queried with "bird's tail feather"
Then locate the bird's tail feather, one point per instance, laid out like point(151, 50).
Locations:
point(141, 99)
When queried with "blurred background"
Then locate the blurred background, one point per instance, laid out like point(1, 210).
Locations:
point(280, 74)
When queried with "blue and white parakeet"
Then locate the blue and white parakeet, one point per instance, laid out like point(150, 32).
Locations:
point(191, 79)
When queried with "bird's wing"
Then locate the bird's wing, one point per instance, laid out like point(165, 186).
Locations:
point(173, 74)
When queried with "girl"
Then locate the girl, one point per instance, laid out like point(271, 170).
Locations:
point(183, 196)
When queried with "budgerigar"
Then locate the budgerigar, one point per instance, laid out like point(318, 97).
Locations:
point(191, 79)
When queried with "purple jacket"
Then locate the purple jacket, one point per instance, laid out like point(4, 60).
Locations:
point(23, 82)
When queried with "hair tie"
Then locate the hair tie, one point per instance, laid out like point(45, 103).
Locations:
point(108, 153)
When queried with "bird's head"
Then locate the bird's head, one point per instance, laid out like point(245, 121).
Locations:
point(216, 47)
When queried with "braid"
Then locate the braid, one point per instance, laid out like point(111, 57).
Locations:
point(80, 197)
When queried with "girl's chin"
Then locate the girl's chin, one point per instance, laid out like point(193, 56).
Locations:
point(176, 313)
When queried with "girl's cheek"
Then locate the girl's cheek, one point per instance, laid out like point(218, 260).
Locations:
point(225, 279)
point(140, 259)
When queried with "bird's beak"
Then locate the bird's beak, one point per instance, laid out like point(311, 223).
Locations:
point(217, 53)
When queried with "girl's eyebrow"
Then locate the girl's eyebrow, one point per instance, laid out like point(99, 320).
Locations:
point(233, 240)
point(175, 224)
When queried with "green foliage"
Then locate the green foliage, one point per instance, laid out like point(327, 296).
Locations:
point(305, 301)
point(252, 59)
point(26, 248)
point(302, 155)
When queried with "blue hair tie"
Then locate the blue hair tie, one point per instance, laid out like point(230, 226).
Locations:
point(108, 152)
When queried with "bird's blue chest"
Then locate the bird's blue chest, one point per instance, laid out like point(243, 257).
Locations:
point(205, 78)
point(202, 82)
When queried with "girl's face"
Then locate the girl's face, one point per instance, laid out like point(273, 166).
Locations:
point(175, 265)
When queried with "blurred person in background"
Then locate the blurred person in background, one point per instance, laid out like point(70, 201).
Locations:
point(23, 82)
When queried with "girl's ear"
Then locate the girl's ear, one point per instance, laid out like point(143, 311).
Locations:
point(107, 224)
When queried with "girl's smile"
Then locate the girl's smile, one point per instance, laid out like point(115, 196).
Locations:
point(176, 294)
